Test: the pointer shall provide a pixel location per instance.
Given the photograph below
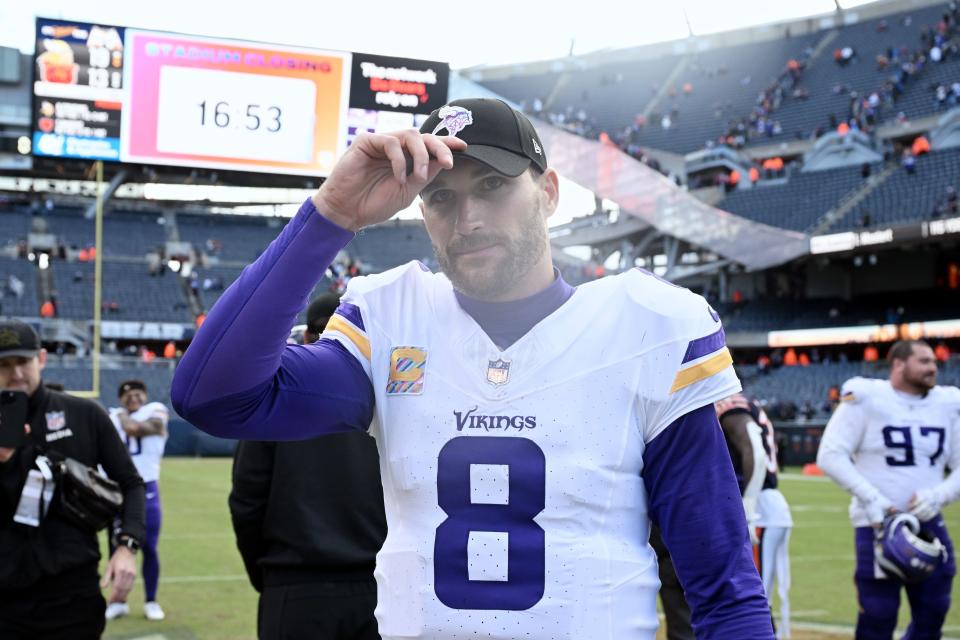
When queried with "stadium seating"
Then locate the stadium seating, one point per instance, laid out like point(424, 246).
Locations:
point(904, 197)
point(797, 202)
point(810, 385)
point(525, 88)
point(770, 314)
point(138, 295)
point(74, 373)
point(726, 83)
point(124, 233)
point(241, 238)
point(386, 245)
point(800, 118)
point(26, 304)
point(724, 86)
point(14, 224)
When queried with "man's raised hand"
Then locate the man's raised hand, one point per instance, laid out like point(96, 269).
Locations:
point(370, 183)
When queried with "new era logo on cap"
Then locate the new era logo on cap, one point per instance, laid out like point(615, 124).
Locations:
point(496, 134)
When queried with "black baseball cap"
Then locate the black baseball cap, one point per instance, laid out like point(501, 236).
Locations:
point(320, 311)
point(130, 385)
point(18, 340)
point(496, 134)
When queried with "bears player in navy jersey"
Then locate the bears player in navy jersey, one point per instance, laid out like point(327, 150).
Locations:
point(888, 444)
point(529, 432)
point(753, 449)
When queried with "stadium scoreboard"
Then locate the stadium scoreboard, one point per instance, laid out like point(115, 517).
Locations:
point(113, 93)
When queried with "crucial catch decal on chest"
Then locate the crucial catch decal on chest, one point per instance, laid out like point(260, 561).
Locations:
point(408, 366)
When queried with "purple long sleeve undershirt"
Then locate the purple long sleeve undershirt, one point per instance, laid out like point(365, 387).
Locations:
point(239, 379)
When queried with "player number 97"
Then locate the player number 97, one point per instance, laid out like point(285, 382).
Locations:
point(220, 116)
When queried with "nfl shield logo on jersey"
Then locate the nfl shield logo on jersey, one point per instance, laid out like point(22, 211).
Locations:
point(407, 368)
point(56, 421)
point(498, 372)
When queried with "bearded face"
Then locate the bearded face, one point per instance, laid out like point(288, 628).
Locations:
point(488, 230)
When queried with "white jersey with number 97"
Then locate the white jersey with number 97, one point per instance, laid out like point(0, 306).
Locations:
point(512, 478)
point(900, 443)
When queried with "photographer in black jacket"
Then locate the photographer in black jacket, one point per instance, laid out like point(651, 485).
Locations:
point(309, 522)
point(49, 586)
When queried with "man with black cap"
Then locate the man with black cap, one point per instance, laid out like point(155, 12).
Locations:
point(48, 564)
point(309, 522)
point(142, 426)
point(529, 432)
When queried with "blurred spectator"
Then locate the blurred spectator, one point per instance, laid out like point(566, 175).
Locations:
point(908, 162)
point(754, 174)
point(833, 395)
point(803, 359)
point(763, 364)
point(170, 350)
point(790, 358)
point(732, 180)
point(15, 286)
point(870, 354)
point(47, 309)
point(942, 352)
point(920, 146)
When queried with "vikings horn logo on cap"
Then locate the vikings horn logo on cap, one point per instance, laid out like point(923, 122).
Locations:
point(453, 119)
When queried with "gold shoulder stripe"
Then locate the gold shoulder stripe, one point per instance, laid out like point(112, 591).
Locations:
point(337, 323)
point(712, 365)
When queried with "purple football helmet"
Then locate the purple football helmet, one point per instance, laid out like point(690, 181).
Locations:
point(904, 551)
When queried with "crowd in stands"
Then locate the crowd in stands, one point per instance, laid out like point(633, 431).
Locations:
point(797, 385)
point(884, 70)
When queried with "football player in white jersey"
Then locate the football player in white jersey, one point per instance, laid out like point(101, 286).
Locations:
point(888, 444)
point(143, 427)
point(528, 431)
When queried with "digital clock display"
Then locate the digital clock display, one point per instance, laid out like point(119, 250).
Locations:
point(234, 105)
point(235, 115)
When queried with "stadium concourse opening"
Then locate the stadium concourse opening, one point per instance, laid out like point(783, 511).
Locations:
point(802, 177)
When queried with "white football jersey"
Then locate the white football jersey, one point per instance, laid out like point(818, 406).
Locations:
point(147, 451)
point(514, 500)
point(899, 443)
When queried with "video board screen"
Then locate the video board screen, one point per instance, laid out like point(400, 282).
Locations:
point(130, 95)
point(78, 91)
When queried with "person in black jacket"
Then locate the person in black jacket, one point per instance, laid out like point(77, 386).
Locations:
point(49, 586)
point(309, 521)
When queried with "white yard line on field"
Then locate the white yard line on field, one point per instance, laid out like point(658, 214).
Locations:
point(184, 579)
point(800, 476)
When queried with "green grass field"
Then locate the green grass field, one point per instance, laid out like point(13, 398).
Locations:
point(206, 595)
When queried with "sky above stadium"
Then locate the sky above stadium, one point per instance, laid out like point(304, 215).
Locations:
point(461, 33)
